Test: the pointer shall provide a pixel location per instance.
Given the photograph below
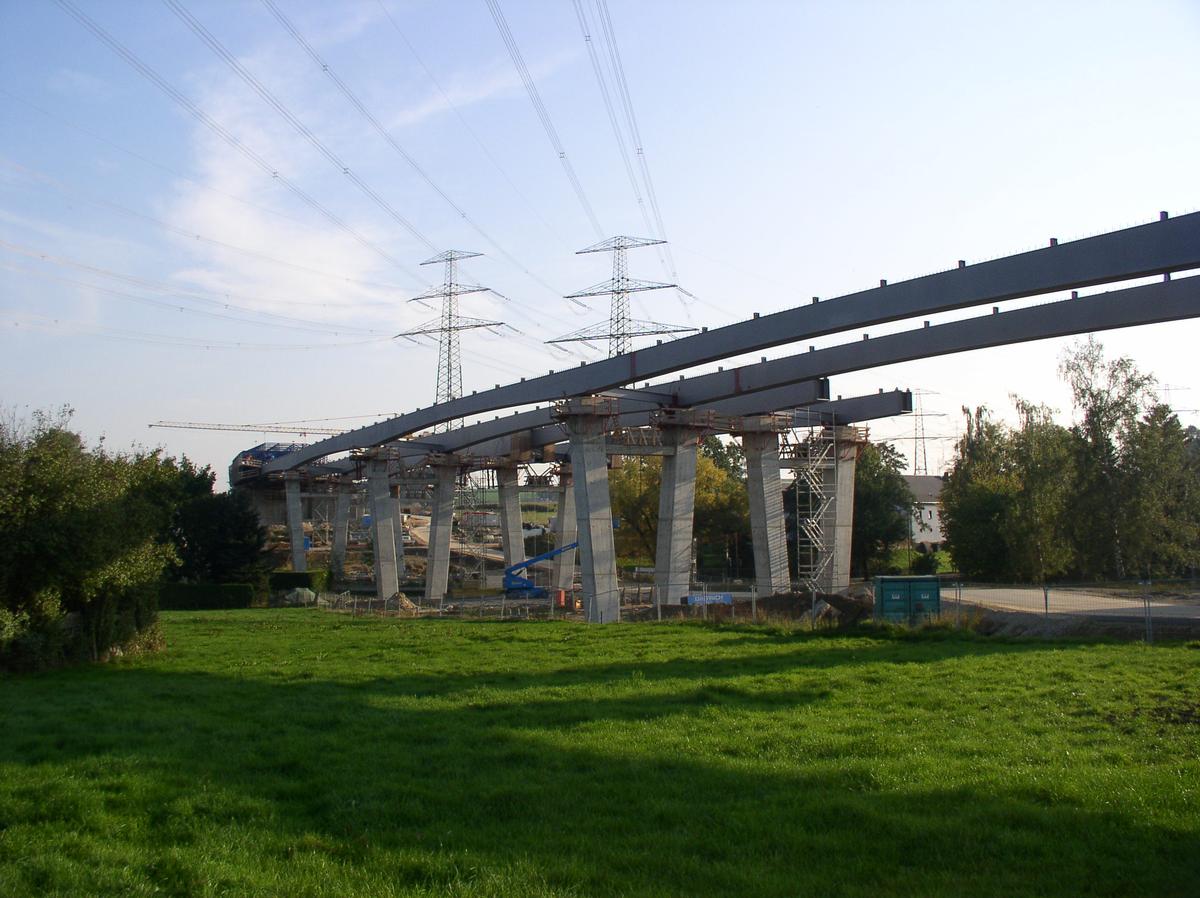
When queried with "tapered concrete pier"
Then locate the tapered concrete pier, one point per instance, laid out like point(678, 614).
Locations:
point(760, 442)
point(586, 420)
point(383, 522)
point(295, 520)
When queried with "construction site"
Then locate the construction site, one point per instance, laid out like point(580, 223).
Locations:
point(440, 510)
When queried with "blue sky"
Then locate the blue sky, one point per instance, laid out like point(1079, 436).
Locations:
point(150, 271)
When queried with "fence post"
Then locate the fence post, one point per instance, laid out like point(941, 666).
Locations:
point(754, 603)
point(1046, 598)
point(1149, 620)
point(958, 604)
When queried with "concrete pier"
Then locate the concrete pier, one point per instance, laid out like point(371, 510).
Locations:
point(566, 531)
point(511, 535)
point(341, 528)
point(760, 441)
point(676, 509)
point(441, 529)
point(383, 535)
point(295, 520)
point(839, 483)
point(586, 421)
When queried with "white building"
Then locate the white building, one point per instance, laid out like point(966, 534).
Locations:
point(926, 526)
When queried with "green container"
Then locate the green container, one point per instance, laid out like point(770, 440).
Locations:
point(907, 599)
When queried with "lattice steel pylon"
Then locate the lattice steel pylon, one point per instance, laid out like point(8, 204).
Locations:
point(621, 327)
point(447, 326)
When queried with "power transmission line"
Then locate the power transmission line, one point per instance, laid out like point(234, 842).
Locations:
point(621, 327)
point(268, 97)
point(286, 114)
point(87, 328)
point(542, 113)
point(191, 235)
point(217, 128)
point(344, 89)
point(602, 83)
point(458, 113)
point(448, 326)
point(631, 118)
point(193, 295)
point(151, 75)
point(175, 307)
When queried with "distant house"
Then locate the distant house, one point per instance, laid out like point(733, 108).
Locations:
point(926, 526)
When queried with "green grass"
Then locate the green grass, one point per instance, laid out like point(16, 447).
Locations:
point(302, 753)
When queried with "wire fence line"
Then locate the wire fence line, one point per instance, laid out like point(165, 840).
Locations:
point(1175, 605)
point(1048, 609)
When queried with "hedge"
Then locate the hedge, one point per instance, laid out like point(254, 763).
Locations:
point(204, 596)
point(286, 581)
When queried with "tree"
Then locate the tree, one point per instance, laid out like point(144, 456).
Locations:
point(1109, 397)
point(219, 540)
point(1042, 478)
point(977, 499)
point(721, 523)
point(82, 533)
point(883, 507)
point(1160, 498)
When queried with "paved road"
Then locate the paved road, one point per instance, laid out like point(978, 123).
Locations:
point(1069, 601)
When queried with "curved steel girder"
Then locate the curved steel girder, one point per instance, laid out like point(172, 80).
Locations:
point(1156, 248)
point(724, 391)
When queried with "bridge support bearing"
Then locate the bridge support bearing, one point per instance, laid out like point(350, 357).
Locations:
point(566, 531)
point(383, 522)
point(676, 511)
point(767, 527)
point(295, 520)
point(511, 535)
point(441, 528)
point(341, 525)
point(587, 421)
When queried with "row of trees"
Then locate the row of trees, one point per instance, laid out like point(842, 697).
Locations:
point(87, 535)
point(1115, 495)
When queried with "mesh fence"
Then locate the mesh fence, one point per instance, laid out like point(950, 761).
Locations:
point(1144, 610)
point(1166, 607)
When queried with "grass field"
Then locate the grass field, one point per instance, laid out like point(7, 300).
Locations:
point(303, 753)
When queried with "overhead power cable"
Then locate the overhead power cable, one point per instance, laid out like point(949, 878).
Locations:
point(194, 294)
point(191, 235)
point(275, 103)
point(45, 322)
point(153, 163)
point(250, 80)
point(618, 68)
point(392, 142)
point(176, 307)
point(542, 113)
point(463, 120)
point(606, 95)
point(228, 137)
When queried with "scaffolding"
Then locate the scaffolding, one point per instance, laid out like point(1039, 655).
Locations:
point(472, 501)
point(814, 458)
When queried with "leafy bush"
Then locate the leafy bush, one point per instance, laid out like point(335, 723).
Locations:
point(205, 596)
point(925, 563)
point(83, 542)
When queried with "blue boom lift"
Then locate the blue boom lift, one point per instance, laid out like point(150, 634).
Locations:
point(518, 587)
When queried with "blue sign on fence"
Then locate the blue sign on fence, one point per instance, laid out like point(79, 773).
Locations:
point(712, 598)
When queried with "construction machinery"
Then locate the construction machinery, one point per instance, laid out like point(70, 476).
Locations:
point(518, 587)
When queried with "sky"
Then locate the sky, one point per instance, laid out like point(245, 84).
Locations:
point(174, 245)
